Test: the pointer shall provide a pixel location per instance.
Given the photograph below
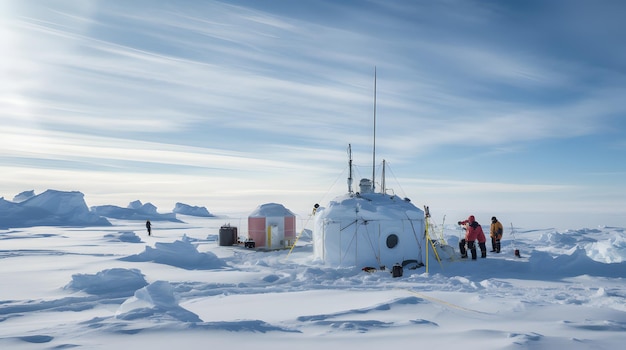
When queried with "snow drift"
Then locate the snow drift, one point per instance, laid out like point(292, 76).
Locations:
point(181, 253)
point(134, 211)
point(50, 208)
point(186, 209)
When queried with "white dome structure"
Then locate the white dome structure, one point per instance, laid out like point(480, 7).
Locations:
point(369, 230)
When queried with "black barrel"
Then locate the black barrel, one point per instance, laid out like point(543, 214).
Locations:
point(228, 235)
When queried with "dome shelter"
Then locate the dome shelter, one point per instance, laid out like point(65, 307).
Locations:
point(369, 230)
point(272, 226)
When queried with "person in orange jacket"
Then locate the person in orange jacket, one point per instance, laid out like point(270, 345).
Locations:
point(495, 233)
point(473, 232)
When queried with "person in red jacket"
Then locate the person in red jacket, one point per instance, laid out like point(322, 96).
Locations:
point(473, 232)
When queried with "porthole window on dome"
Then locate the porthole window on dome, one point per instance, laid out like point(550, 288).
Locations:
point(392, 240)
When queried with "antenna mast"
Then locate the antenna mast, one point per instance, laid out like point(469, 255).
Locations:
point(350, 165)
point(374, 150)
point(383, 185)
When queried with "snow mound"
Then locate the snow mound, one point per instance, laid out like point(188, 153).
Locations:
point(125, 236)
point(157, 300)
point(50, 208)
point(575, 263)
point(147, 208)
point(185, 209)
point(611, 250)
point(135, 211)
point(181, 253)
point(20, 197)
point(116, 282)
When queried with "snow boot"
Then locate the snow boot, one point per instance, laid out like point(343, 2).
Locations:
point(498, 246)
point(483, 249)
point(462, 249)
point(472, 248)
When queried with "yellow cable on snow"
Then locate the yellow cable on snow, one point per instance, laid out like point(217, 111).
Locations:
point(443, 302)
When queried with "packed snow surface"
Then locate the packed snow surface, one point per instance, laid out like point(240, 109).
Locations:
point(113, 287)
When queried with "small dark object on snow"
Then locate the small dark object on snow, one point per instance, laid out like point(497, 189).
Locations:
point(249, 243)
point(396, 270)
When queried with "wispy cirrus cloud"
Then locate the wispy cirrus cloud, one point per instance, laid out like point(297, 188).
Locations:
point(267, 94)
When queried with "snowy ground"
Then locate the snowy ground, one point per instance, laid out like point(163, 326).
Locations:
point(115, 287)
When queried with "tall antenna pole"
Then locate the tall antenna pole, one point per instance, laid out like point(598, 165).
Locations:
point(374, 150)
point(350, 165)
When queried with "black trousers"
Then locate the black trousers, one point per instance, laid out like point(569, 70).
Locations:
point(495, 244)
point(483, 249)
point(471, 246)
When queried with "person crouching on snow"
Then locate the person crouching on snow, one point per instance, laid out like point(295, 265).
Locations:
point(473, 232)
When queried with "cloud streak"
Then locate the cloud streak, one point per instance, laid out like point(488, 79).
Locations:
point(265, 96)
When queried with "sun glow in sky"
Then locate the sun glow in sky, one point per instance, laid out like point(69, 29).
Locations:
point(512, 109)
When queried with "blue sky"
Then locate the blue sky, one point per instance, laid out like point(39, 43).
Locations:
point(506, 108)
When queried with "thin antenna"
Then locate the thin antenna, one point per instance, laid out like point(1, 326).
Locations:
point(350, 165)
point(374, 150)
point(382, 183)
